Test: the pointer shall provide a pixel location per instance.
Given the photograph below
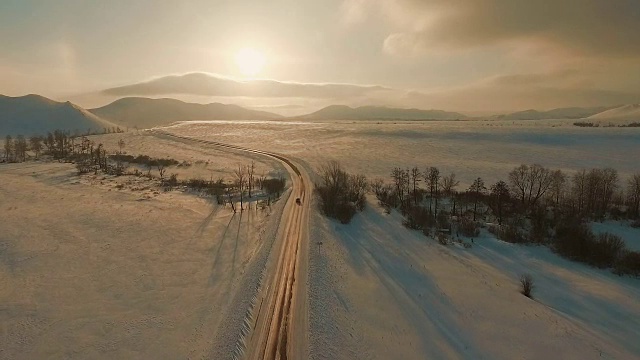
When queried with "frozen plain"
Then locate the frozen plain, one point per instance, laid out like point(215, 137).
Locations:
point(376, 290)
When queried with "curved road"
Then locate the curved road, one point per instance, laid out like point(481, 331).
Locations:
point(280, 324)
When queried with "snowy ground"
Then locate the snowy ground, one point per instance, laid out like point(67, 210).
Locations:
point(489, 149)
point(206, 162)
point(88, 270)
point(106, 268)
point(381, 291)
point(630, 236)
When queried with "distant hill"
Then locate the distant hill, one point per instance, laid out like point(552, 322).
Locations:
point(146, 112)
point(34, 114)
point(342, 112)
point(555, 114)
point(626, 113)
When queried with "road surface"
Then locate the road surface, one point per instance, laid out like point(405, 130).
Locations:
point(280, 320)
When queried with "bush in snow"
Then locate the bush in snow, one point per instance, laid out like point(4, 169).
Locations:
point(172, 181)
point(628, 263)
point(442, 239)
point(344, 212)
point(341, 194)
point(576, 241)
point(526, 285)
point(468, 228)
point(509, 233)
point(418, 218)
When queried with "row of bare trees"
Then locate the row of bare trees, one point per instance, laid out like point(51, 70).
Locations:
point(535, 204)
point(246, 181)
point(15, 150)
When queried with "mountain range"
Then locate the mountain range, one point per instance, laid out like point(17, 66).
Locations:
point(34, 114)
point(342, 112)
point(147, 113)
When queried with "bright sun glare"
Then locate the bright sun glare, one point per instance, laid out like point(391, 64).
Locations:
point(250, 61)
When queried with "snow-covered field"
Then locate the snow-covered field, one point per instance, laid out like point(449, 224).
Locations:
point(381, 291)
point(489, 149)
point(630, 235)
point(113, 268)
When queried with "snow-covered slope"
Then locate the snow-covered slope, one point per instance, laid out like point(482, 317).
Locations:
point(34, 114)
point(560, 113)
point(381, 291)
point(626, 113)
point(146, 112)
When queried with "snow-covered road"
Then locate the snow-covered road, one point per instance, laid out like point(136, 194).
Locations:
point(277, 328)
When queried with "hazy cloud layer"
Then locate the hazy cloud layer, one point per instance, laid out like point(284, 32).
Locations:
point(211, 85)
point(588, 27)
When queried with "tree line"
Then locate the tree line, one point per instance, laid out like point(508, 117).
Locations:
point(90, 157)
point(534, 204)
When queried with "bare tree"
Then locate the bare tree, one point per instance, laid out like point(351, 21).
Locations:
point(609, 186)
point(579, 189)
point(240, 182)
point(8, 147)
point(36, 145)
point(530, 183)
point(558, 185)
point(500, 192)
point(161, 169)
point(476, 189)
point(119, 153)
point(20, 148)
point(400, 180)
point(633, 191)
point(251, 170)
point(228, 190)
point(433, 179)
point(415, 176)
point(449, 183)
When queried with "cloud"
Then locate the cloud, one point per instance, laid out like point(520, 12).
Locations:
point(204, 84)
point(519, 92)
point(584, 27)
point(354, 11)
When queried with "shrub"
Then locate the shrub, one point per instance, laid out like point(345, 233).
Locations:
point(171, 181)
point(606, 250)
point(573, 240)
point(576, 241)
point(417, 218)
point(526, 285)
point(509, 233)
point(197, 184)
point(443, 220)
point(442, 239)
point(344, 212)
point(274, 186)
point(469, 228)
point(628, 263)
point(341, 194)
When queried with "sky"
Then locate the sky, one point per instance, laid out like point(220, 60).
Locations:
point(458, 55)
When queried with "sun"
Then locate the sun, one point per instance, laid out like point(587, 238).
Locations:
point(250, 61)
